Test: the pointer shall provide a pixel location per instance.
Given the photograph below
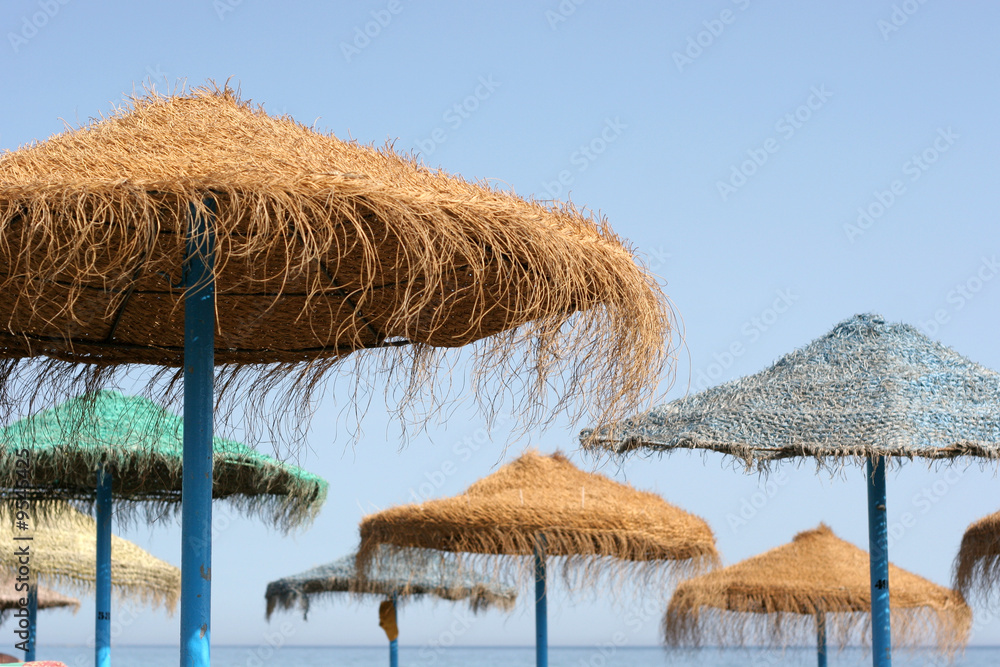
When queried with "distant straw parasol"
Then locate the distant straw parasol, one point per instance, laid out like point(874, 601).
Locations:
point(398, 578)
point(63, 555)
point(195, 231)
point(409, 574)
point(867, 391)
point(815, 586)
point(11, 598)
point(977, 565)
point(545, 506)
point(140, 445)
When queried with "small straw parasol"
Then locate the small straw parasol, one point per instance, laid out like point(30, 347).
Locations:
point(867, 391)
point(544, 506)
point(195, 231)
point(397, 577)
point(11, 598)
point(977, 565)
point(135, 447)
point(818, 583)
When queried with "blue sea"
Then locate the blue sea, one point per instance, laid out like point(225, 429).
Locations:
point(256, 656)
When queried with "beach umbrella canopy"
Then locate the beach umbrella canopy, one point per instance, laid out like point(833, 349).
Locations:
point(866, 391)
point(140, 444)
point(977, 565)
point(193, 232)
point(63, 554)
point(545, 506)
point(816, 584)
point(10, 598)
point(410, 574)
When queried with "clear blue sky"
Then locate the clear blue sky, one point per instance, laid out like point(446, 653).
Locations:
point(736, 144)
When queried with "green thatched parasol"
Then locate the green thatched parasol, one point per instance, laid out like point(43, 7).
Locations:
point(63, 555)
point(140, 444)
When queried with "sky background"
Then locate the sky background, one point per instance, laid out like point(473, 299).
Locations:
point(735, 144)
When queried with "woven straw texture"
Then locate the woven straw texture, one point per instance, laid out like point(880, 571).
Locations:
point(142, 445)
point(325, 247)
point(595, 523)
point(774, 599)
point(411, 574)
point(977, 565)
point(10, 598)
point(865, 389)
point(63, 554)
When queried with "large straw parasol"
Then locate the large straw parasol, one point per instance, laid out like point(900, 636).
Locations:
point(298, 249)
point(135, 447)
point(545, 506)
point(867, 391)
point(11, 598)
point(977, 565)
point(817, 585)
point(398, 577)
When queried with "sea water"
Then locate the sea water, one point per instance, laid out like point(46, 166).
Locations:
point(559, 656)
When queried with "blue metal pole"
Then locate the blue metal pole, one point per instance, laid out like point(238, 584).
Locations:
point(394, 644)
point(29, 655)
point(541, 613)
point(102, 629)
point(196, 491)
point(821, 639)
point(878, 558)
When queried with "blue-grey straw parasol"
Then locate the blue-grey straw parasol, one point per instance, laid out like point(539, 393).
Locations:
point(399, 575)
point(867, 391)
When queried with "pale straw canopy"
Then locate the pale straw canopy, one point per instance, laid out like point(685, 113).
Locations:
point(774, 599)
point(324, 248)
point(141, 445)
point(11, 598)
point(64, 555)
point(406, 575)
point(864, 390)
point(596, 524)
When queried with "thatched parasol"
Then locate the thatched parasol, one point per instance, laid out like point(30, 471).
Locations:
point(316, 248)
point(63, 555)
point(11, 598)
point(867, 391)
point(140, 445)
point(977, 565)
point(545, 506)
point(398, 577)
point(818, 584)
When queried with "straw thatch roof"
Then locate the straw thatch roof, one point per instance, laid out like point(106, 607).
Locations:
point(774, 598)
point(10, 598)
point(411, 574)
point(977, 565)
point(596, 523)
point(325, 247)
point(64, 554)
point(865, 389)
point(142, 444)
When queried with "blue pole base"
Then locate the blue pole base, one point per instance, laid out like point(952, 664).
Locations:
point(102, 629)
point(541, 611)
point(878, 557)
